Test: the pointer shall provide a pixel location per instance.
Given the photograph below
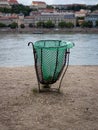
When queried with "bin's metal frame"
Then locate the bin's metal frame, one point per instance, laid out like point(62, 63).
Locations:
point(66, 64)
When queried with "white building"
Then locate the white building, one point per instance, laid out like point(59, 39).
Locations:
point(4, 3)
point(8, 20)
point(38, 4)
point(81, 13)
point(93, 17)
point(56, 18)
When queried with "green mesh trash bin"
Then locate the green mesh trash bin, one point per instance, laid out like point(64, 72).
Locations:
point(50, 59)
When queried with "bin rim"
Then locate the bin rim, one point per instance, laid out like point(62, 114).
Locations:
point(67, 45)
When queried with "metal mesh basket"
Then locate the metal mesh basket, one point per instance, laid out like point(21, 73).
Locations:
point(50, 59)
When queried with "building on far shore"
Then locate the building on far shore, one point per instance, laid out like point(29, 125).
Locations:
point(4, 3)
point(8, 19)
point(13, 2)
point(56, 18)
point(70, 17)
point(38, 17)
point(81, 13)
point(38, 4)
point(8, 3)
point(93, 17)
point(29, 20)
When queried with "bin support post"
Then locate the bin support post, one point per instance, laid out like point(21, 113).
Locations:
point(35, 64)
point(65, 69)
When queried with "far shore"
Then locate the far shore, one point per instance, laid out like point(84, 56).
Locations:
point(50, 31)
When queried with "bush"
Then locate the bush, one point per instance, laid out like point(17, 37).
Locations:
point(30, 25)
point(40, 24)
point(49, 24)
point(69, 25)
point(62, 24)
point(13, 25)
point(96, 23)
point(22, 26)
point(88, 24)
point(2, 25)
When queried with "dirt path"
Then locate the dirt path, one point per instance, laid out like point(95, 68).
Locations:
point(75, 108)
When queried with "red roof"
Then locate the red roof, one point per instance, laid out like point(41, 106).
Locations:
point(38, 2)
point(8, 17)
point(13, 1)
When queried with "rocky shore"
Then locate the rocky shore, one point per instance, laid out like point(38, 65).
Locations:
point(49, 31)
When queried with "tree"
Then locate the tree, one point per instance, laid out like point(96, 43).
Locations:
point(2, 25)
point(76, 7)
point(88, 24)
point(93, 7)
point(40, 24)
point(21, 9)
point(69, 25)
point(13, 25)
point(22, 25)
point(79, 21)
point(5, 10)
point(50, 7)
point(49, 24)
point(30, 25)
point(17, 9)
point(62, 24)
point(96, 23)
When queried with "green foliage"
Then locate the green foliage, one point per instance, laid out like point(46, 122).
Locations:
point(79, 19)
point(84, 24)
point(5, 10)
point(62, 24)
point(88, 24)
point(40, 24)
point(2, 25)
point(76, 7)
point(69, 25)
point(50, 7)
point(49, 24)
point(21, 9)
point(26, 9)
point(93, 7)
point(13, 25)
point(17, 9)
point(96, 23)
point(30, 25)
point(22, 26)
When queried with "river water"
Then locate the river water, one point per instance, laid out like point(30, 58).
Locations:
point(14, 50)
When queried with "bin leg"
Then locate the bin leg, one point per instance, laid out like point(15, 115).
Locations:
point(66, 67)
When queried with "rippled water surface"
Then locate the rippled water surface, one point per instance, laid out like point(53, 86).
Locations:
point(15, 52)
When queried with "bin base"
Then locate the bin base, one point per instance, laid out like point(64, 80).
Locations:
point(47, 88)
point(50, 90)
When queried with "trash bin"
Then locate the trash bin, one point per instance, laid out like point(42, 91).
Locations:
point(50, 59)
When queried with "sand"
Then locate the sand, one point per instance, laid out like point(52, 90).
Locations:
point(74, 108)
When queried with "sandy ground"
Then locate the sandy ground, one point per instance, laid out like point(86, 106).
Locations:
point(74, 108)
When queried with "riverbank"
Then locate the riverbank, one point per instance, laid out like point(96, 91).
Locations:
point(49, 31)
point(75, 108)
